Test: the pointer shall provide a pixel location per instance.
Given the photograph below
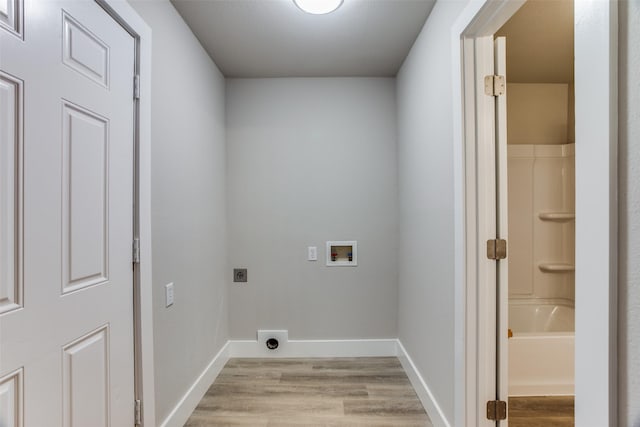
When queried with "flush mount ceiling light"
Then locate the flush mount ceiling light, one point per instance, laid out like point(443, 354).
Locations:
point(318, 7)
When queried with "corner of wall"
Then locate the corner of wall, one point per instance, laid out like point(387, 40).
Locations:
point(438, 418)
point(189, 401)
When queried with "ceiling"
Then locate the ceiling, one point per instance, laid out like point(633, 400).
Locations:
point(540, 42)
point(273, 38)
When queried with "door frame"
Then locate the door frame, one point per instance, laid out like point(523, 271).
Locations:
point(596, 28)
point(144, 383)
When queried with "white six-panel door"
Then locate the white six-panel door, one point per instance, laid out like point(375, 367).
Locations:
point(502, 231)
point(66, 216)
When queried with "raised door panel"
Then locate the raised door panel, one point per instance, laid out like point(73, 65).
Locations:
point(10, 182)
point(11, 16)
point(85, 198)
point(11, 405)
point(85, 377)
point(85, 52)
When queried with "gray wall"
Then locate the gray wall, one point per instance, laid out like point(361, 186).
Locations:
point(311, 160)
point(425, 150)
point(188, 204)
point(629, 214)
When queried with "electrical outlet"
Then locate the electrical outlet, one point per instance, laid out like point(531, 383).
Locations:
point(240, 275)
point(312, 253)
point(168, 292)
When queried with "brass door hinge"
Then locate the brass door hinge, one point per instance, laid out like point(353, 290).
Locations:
point(494, 85)
point(496, 249)
point(138, 413)
point(135, 251)
point(136, 86)
point(496, 410)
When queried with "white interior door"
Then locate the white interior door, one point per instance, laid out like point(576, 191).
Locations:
point(66, 219)
point(491, 212)
point(502, 276)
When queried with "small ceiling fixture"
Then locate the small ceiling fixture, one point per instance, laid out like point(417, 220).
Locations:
point(318, 7)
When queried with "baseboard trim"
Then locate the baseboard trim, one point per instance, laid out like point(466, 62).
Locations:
point(316, 348)
point(181, 412)
point(422, 390)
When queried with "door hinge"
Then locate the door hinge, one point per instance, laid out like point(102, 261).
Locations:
point(494, 85)
point(136, 86)
point(136, 251)
point(496, 249)
point(496, 410)
point(138, 413)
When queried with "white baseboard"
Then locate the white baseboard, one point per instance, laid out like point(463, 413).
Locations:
point(316, 348)
point(180, 414)
point(422, 390)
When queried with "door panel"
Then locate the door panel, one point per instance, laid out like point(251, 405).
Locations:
point(68, 331)
point(11, 16)
point(85, 376)
point(10, 180)
point(486, 220)
point(85, 52)
point(502, 209)
point(85, 186)
point(11, 399)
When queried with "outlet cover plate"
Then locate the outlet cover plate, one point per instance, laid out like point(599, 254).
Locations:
point(240, 275)
point(168, 288)
point(312, 253)
point(282, 335)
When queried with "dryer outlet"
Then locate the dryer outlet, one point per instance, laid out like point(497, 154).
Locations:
point(273, 340)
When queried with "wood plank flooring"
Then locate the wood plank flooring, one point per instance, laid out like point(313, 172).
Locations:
point(371, 392)
point(543, 411)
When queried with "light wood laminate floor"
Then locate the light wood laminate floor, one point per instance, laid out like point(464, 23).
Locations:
point(371, 392)
point(543, 411)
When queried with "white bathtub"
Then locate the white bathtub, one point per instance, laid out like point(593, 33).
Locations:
point(541, 351)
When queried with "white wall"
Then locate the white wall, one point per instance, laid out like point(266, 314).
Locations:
point(538, 113)
point(311, 160)
point(629, 215)
point(426, 278)
point(540, 42)
point(188, 204)
point(540, 49)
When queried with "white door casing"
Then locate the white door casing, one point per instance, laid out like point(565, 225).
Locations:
point(66, 328)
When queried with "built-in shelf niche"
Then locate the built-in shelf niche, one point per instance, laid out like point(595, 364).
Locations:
point(342, 253)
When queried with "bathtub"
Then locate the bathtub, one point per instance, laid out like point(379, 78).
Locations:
point(541, 351)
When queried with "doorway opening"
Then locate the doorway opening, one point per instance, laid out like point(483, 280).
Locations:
point(541, 212)
point(482, 329)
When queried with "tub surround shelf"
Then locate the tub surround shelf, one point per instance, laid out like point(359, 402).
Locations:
point(557, 216)
point(556, 268)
